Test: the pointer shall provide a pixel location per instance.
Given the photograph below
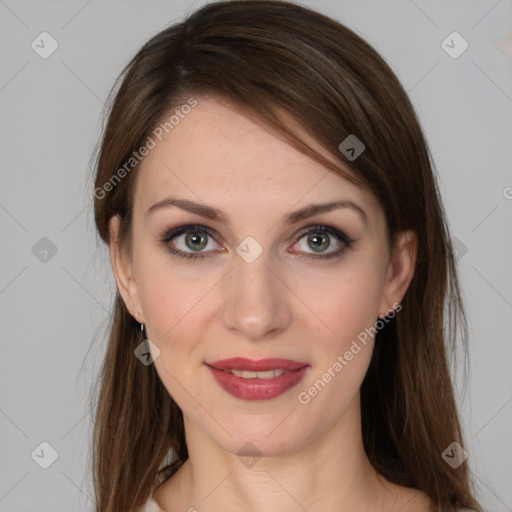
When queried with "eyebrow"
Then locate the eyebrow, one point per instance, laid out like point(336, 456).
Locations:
point(212, 213)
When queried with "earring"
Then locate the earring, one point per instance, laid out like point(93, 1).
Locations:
point(141, 326)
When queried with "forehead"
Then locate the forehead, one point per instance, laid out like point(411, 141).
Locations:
point(220, 156)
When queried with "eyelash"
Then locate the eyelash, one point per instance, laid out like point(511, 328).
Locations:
point(168, 235)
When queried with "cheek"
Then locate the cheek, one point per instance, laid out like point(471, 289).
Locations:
point(164, 297)
point(173, 307)
point(343, 299)
point(177, 300)
point(165, 293)
point(174, 312)
point(344, 309)
point(344, 302)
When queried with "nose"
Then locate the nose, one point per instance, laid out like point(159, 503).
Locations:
point(256, 302)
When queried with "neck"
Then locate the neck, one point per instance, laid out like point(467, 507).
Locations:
point(332, 473)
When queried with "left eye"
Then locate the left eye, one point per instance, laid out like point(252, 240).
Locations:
point(196, 239)
point(319, 237)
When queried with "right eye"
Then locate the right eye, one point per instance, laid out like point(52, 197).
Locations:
point(195, 238)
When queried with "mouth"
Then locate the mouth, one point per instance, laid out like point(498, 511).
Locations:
point(258, 366)
point(257, 380)
point(266, 375)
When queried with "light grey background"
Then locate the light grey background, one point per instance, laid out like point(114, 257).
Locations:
point(54, 313)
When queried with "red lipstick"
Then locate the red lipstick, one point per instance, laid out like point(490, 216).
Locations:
point(278, 376)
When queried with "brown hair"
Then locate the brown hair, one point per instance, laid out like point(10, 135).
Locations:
point(266, 56)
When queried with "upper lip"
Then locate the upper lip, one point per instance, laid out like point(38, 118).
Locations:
point(261, 365)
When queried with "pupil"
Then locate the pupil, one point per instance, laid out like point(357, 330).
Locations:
point(315, 237)
point(196, 238)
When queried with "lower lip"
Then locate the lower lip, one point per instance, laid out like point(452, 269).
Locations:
point(257, 389)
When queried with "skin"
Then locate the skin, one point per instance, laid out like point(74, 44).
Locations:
point(307, 457)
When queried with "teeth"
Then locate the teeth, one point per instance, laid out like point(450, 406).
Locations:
point(270, 374)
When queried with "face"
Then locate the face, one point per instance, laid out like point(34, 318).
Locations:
point(255, 282)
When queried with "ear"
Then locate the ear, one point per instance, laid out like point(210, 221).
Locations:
point(400, 271)
point(123, 272)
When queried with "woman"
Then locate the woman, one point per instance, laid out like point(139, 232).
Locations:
point(284, 273)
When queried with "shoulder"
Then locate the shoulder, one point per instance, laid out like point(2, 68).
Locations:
point(151, 506)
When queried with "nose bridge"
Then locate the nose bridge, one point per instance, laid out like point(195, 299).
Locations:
point(255, 299)
point(253, 278)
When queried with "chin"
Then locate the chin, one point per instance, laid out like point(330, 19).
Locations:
point(257, 438)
